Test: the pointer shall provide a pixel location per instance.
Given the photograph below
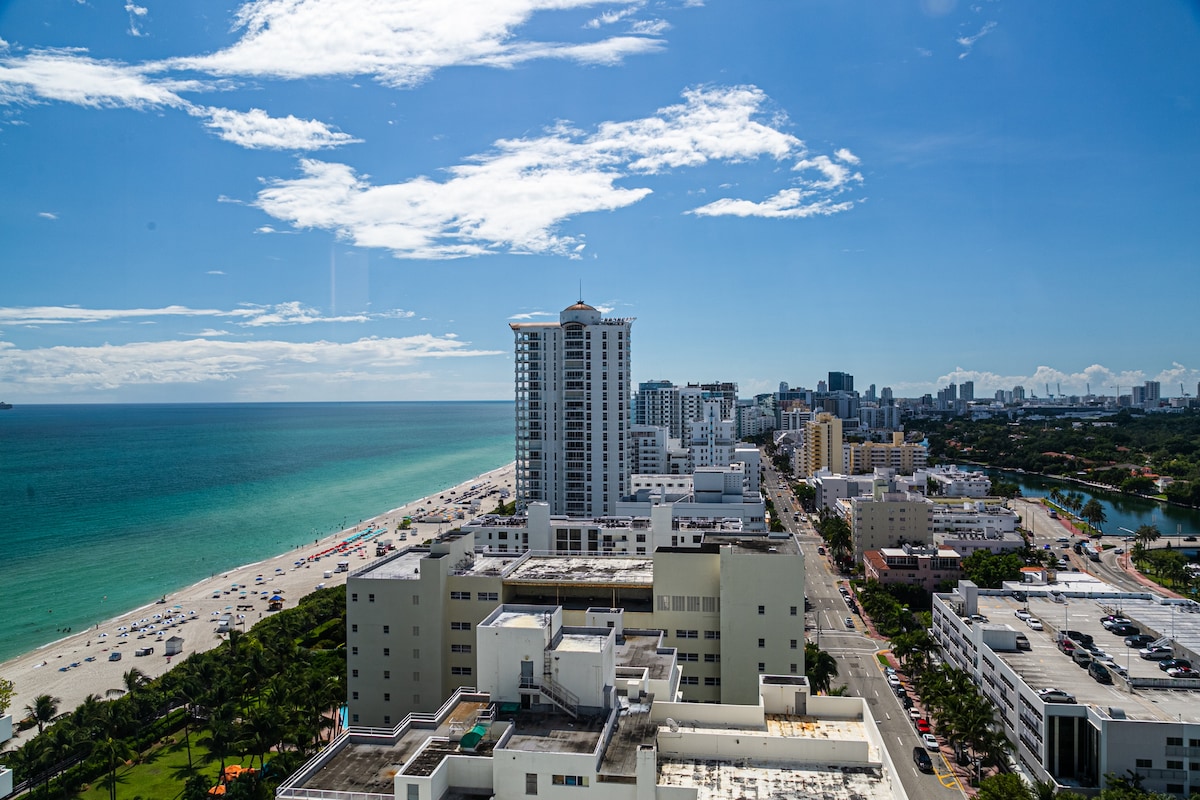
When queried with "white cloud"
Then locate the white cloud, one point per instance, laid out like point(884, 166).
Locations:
point(54, 370)
point(47, 215)
point(650, 27)
point(532, 314)
point(70, 77)
point(215, 272)
point(400, 44)
point(135, 12)
point(514, 197)
point(256, 130)
point(612, 17)
point(845, 155)
point(968, 42)
point(787, 204)
point(248, 315)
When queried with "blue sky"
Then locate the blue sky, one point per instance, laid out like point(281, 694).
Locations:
point(349, 200)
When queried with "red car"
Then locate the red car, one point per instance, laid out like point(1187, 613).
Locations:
point(923, 726)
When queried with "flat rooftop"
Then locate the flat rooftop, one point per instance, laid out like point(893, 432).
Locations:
point(579, 569)
point(724, 780)
point(640, 651)
point(1044, 666)
point(403, 565)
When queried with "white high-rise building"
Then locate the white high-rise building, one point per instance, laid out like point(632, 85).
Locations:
point(710, 439)
point(572, 411)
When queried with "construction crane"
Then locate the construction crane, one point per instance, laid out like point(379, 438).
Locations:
point(1182, 393)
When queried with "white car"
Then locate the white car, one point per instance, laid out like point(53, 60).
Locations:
point(930, 741)
point(1034, 624)
point(1022, 614)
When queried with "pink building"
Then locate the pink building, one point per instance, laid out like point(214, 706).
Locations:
point(919, 566)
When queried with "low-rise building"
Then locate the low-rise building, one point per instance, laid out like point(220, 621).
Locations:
point(561, 708)
point(903, 457)
point(6, 775)
point(1076, 719)
point(731, 604)
point(953, 482)
point(915, 565)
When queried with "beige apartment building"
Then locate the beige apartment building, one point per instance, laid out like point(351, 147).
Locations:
point(903, 457)
point(732, 607)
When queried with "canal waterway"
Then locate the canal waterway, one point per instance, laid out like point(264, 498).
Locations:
point(1122, 511)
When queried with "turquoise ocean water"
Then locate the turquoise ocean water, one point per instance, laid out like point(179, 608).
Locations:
point(104, 508)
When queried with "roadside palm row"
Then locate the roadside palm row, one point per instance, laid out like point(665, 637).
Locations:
point(273, 690)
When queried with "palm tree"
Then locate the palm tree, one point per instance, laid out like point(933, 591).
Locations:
point(1056, 496)
point(1145, 534)
point(1093, 514)
point(113, 752)
point(43, 709)
point(820, 667)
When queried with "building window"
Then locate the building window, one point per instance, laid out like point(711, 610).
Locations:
point(354, 651)
point(354, 597)
point(712, 681)
point(682, 634)
point(530, 783)
point(387, 628)
point(1174, 765)
point(569, 780)
point(416, 630)
point(414, 791)
point(387, 674)
point(1144, 763)
point(354, 695)
point(689, 680)
point(1174, 788)
point(460, 626)
point(762, 642)
point(416, 700)
point(387, 697)
point(793, 668)
point(492, 596)
point(416, 653)
point(416, 677)
point(793, 611)
point(416, 599)
point(1174, 741)
point(762, 610)
point(354, 628)
point(793, 644)
point(712, 658)
point(387, 651)
point(460, 595)
point(762, 666)
point(460, 648)
point(460, 670)
point(353, 673)
point(371, 598)
point(712, 634)
point(387, 719)
point(689, 656)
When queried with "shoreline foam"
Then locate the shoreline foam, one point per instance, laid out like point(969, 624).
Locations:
point(37, 671)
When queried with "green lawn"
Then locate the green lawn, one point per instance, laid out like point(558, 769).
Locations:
point(160, 775)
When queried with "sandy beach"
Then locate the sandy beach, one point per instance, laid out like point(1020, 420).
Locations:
point(78, 665)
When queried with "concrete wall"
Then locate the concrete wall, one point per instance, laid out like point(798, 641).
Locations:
point(765, 746)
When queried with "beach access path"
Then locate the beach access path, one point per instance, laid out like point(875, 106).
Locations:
point(72, 668)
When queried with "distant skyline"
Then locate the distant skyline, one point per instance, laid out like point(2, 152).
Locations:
point(344, 200)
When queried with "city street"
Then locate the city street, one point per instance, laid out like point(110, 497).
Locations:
point(855, 651)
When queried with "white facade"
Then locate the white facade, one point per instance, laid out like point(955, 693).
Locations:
point(953, 482)
point(572, 415)
point(6, 775)
point(710, 439)
point(594, 709)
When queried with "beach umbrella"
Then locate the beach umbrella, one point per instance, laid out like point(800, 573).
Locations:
point(103, 636)
point(276, 597)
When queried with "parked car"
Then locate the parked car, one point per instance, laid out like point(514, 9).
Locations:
point(1034, 624)
point(923, 726)
point(1138, 640)
point(1125, 630)
point(914, 714)
point(1099, 672)
point(1156, 653)
point(906, 701)
point(1174, 662)
point(115, 655)
point(922, 760)
point(1023, 642)
point(1084, 639)
point(849, 621)
point(1022, 614)
point(1055, 696)
point(930, 741)
point(1111, 622)
point(1182, 672)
